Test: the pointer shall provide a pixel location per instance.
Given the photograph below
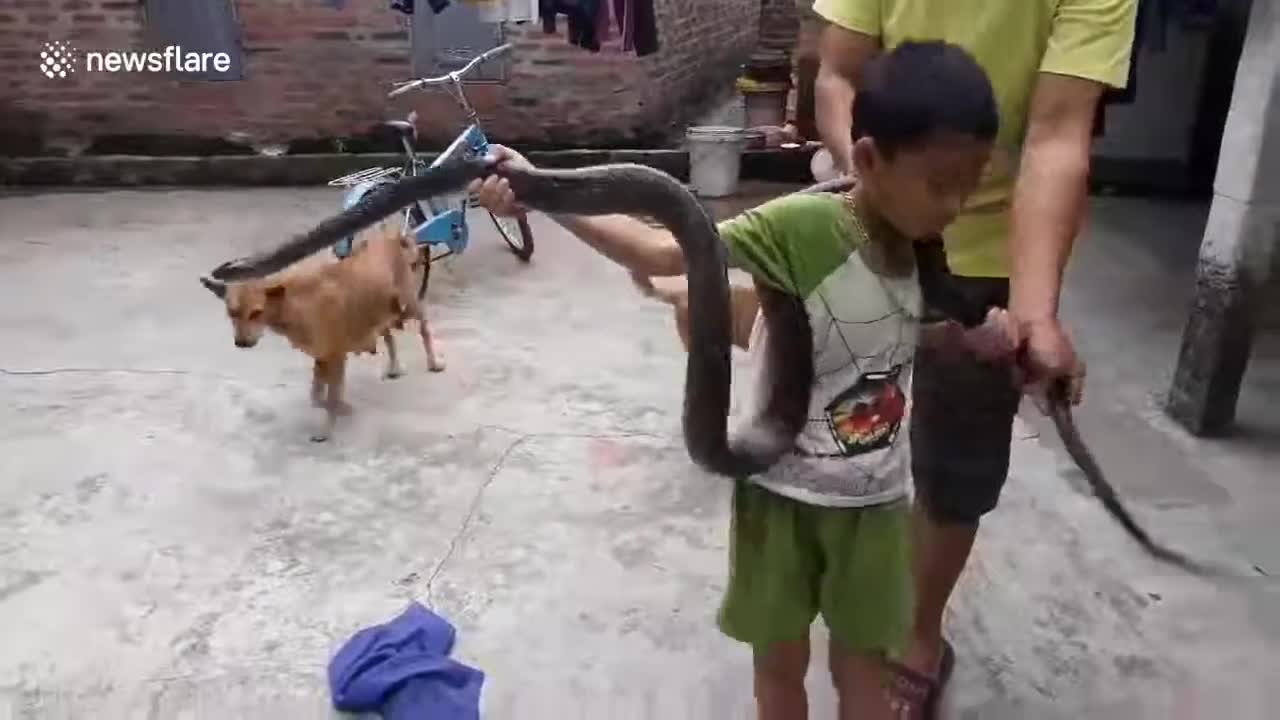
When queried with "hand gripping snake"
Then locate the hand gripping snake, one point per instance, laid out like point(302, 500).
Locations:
point(641, 191)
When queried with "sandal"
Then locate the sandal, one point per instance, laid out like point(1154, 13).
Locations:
point(909, 693)
point(913, 694)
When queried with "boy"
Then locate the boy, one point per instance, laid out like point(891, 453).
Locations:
point(826, 529)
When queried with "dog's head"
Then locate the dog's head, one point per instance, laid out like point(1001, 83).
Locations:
point(249, 305)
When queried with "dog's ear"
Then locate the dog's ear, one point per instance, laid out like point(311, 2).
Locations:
point(275, 292)
point(217, 287)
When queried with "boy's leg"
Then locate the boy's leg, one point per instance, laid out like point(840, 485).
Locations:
point(779, 680)
point(772, 594)
point(860, 680)
point(962, 424)
point(865, 600)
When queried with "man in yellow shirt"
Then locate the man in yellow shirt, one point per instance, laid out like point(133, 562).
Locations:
point(1049, 62)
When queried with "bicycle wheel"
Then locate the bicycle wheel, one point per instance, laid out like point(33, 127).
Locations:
point(516, 233)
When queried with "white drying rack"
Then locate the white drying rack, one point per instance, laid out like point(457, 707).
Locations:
point(366, 175)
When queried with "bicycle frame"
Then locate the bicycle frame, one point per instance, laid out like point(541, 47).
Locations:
point(446, 222)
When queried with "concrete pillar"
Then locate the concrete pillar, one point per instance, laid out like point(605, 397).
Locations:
point(1239, 239)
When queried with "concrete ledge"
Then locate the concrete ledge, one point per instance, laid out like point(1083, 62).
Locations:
point(259, 170)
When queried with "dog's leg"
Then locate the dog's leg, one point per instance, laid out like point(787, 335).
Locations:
point(434, 362)
point(393, 360)
point(336, 370)
point(319, 383)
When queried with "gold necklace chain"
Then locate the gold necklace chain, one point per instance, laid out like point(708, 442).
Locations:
point(857, 221)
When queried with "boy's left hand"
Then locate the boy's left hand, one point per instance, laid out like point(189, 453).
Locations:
point(996, 339)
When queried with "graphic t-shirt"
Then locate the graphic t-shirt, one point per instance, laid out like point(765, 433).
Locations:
point(853, 450)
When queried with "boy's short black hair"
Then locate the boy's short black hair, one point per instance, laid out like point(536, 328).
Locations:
point(920, 88)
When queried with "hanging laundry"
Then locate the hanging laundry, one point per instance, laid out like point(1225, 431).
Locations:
point(646, 27)
point(589, 22)
point(582, 20)
point(406, 6)
point(496, 11)
point(638, 25)
point(604, 22)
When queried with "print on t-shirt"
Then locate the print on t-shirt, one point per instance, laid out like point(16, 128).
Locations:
point(868, 415)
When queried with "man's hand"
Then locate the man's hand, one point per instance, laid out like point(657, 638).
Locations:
point(494, 193)
point(1047, 355)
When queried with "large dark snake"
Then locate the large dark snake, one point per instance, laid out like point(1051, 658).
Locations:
point(641, 191)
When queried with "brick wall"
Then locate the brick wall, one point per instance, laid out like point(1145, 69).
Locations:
point(779, 25)
point(316, 71)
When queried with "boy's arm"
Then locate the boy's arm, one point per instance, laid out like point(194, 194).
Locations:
point(1089, 49)
point(849, 40)
point(641, 248)
point(638, 247)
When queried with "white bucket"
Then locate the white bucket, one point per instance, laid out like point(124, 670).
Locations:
point(715, 159)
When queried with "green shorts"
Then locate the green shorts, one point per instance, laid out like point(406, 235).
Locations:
point(789, 561)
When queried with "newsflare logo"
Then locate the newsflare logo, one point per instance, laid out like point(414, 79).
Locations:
point(58, 60)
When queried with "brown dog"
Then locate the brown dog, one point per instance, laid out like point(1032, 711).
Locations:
point(742, 300)
point(329, 310)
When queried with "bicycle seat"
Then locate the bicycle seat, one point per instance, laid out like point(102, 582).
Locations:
point(403, 129)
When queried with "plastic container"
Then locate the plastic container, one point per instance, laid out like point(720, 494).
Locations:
point(766, 107)
point(823, 166)
point(765, 103)
point(715, 159)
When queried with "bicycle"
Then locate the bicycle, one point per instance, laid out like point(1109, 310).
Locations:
point(444, 219)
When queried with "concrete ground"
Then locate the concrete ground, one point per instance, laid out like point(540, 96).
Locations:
point(172, 546)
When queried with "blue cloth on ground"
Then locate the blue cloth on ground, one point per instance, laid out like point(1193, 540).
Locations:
point(403, 671)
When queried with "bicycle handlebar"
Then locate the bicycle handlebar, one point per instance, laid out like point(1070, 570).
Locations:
point(452, 76)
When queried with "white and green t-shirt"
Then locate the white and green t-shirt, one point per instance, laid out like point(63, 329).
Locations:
point(854, 450)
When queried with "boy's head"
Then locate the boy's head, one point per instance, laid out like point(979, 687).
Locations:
point(926, 118)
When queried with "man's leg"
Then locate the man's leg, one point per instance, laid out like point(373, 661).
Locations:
point(962, 423)
point(942, 550)
point(771, 598)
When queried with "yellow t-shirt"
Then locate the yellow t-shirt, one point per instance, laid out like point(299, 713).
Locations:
point(1013, 40)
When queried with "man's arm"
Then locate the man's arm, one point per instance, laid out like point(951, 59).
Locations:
point(1052, 188)
point(844, 52)
point(1089, 48)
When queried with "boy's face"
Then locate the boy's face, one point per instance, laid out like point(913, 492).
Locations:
point(922, 188)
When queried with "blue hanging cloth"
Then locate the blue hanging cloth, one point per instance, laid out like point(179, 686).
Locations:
point(406, 6)
point(403, 671)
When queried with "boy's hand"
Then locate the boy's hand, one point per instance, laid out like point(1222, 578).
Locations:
point(494, 193)
point(996, 339)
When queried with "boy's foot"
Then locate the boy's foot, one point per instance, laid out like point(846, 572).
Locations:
point(914, 695)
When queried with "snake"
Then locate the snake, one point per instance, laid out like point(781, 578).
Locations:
point(641, 191)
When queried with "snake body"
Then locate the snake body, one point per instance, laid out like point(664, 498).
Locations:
point(629, 189)
point(638, 190)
